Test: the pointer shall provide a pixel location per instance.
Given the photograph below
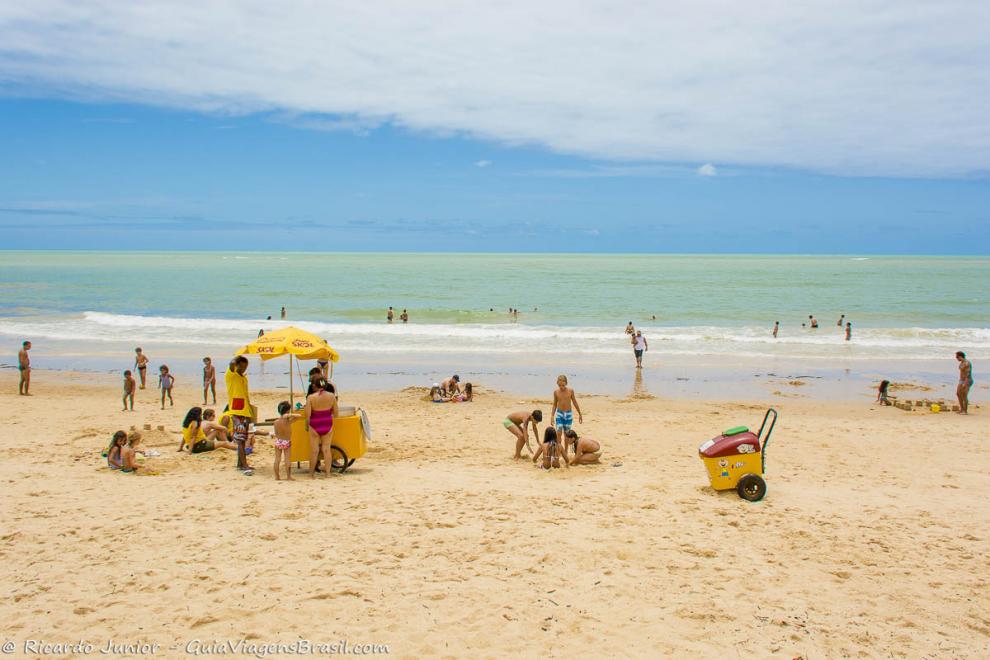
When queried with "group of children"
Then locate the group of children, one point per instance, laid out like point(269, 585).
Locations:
point(122, 452)
point(559, 438)
point(449, 391)
point(166, 381)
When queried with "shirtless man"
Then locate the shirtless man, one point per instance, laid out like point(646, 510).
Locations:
point(24, 367)
point(517, 423)
point(564, 400)
point(451, 386)
point(965, 382)
point(141, 364)
point(814, 321)
point(404, 316)
point(209, 379)
point(585, 449)
point(630, 329)
point(390, 315)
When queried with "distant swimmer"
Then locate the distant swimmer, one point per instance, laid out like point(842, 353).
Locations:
point(841, 319)
point(390, 315)
point(283, 312)
point(965, 382)
point(585, 449)
point(849, 331)
point(776, 328)
point(517, 424)
point(814, 321)
point(24, 368)
point(630, 329)
point(141, 364)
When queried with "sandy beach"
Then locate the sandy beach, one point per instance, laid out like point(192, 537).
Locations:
point(871, 541)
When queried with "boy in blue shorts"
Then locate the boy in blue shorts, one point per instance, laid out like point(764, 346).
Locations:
point(564, 404)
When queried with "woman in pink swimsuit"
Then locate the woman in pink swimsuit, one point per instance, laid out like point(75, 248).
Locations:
point(321, 408)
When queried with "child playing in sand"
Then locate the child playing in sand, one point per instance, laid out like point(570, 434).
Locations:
point(465, 397)
point(435, 395)
point(564, 400)
point(586, 450)
point(165, 382)
point(117, 443)
point(129, 385)
point(552, 450)
point(129, 452)
point(882, 393)
point(283, 438)
point(517, 423)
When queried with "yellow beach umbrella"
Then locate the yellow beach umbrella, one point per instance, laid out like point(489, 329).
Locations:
point(292, 342)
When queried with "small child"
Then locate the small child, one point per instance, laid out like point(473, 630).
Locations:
point(553, 451)
point(283, 438)
point(129, 385)
point(165, 382)
point(882, 393)
point(129, 452)
point(436, 396)
point(114, 461)
point(466, 397)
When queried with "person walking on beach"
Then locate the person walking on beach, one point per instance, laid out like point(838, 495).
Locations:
point(849, 330)
point(166, 381)
point(965, 382)
point(24, 367)
point(209, 380)
point(639, 345)
point(129, 386)
point(776, 328)
point(240, 408)
point(141, 364)
point(564, 404)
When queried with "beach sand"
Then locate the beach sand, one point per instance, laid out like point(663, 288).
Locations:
point(872, 540)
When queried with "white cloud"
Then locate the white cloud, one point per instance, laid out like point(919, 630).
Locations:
point(872, 87)
point(483, 163)
point(707, 170)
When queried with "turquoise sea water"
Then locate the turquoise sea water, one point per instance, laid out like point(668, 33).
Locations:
point(573, 308)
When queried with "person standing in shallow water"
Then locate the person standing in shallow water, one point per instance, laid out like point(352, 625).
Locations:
point(639, 345)
point(849, 330)
point(776, 328)
point(390, 316)
point(283, 313)
point(965, 382)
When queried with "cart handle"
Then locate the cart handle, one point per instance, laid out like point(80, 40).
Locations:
point(766, 439)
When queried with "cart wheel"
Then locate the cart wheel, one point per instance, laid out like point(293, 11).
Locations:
point(339, 461)
point(752, 487)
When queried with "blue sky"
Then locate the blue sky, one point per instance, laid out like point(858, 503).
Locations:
point(123, 128)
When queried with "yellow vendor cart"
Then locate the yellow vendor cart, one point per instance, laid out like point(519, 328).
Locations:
point(351, 428)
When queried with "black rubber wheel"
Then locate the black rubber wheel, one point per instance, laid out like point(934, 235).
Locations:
point(339, 460)
point(751, 487)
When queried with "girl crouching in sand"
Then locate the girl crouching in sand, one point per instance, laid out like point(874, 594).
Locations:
point(552, 450)
point(114, 461)
point(585, 449)
point(129, 452)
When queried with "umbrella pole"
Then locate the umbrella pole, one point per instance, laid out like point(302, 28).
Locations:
point(292, 397)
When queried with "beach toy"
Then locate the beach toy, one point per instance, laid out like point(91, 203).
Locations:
point(147, 427)
point(737, 459)
point(936, 408)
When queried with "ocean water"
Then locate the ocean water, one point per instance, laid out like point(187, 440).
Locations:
point(573, 308)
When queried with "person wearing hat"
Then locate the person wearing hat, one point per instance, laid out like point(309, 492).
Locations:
point(451, 386)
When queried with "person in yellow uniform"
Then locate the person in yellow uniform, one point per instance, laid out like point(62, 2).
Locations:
point(240, 408)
